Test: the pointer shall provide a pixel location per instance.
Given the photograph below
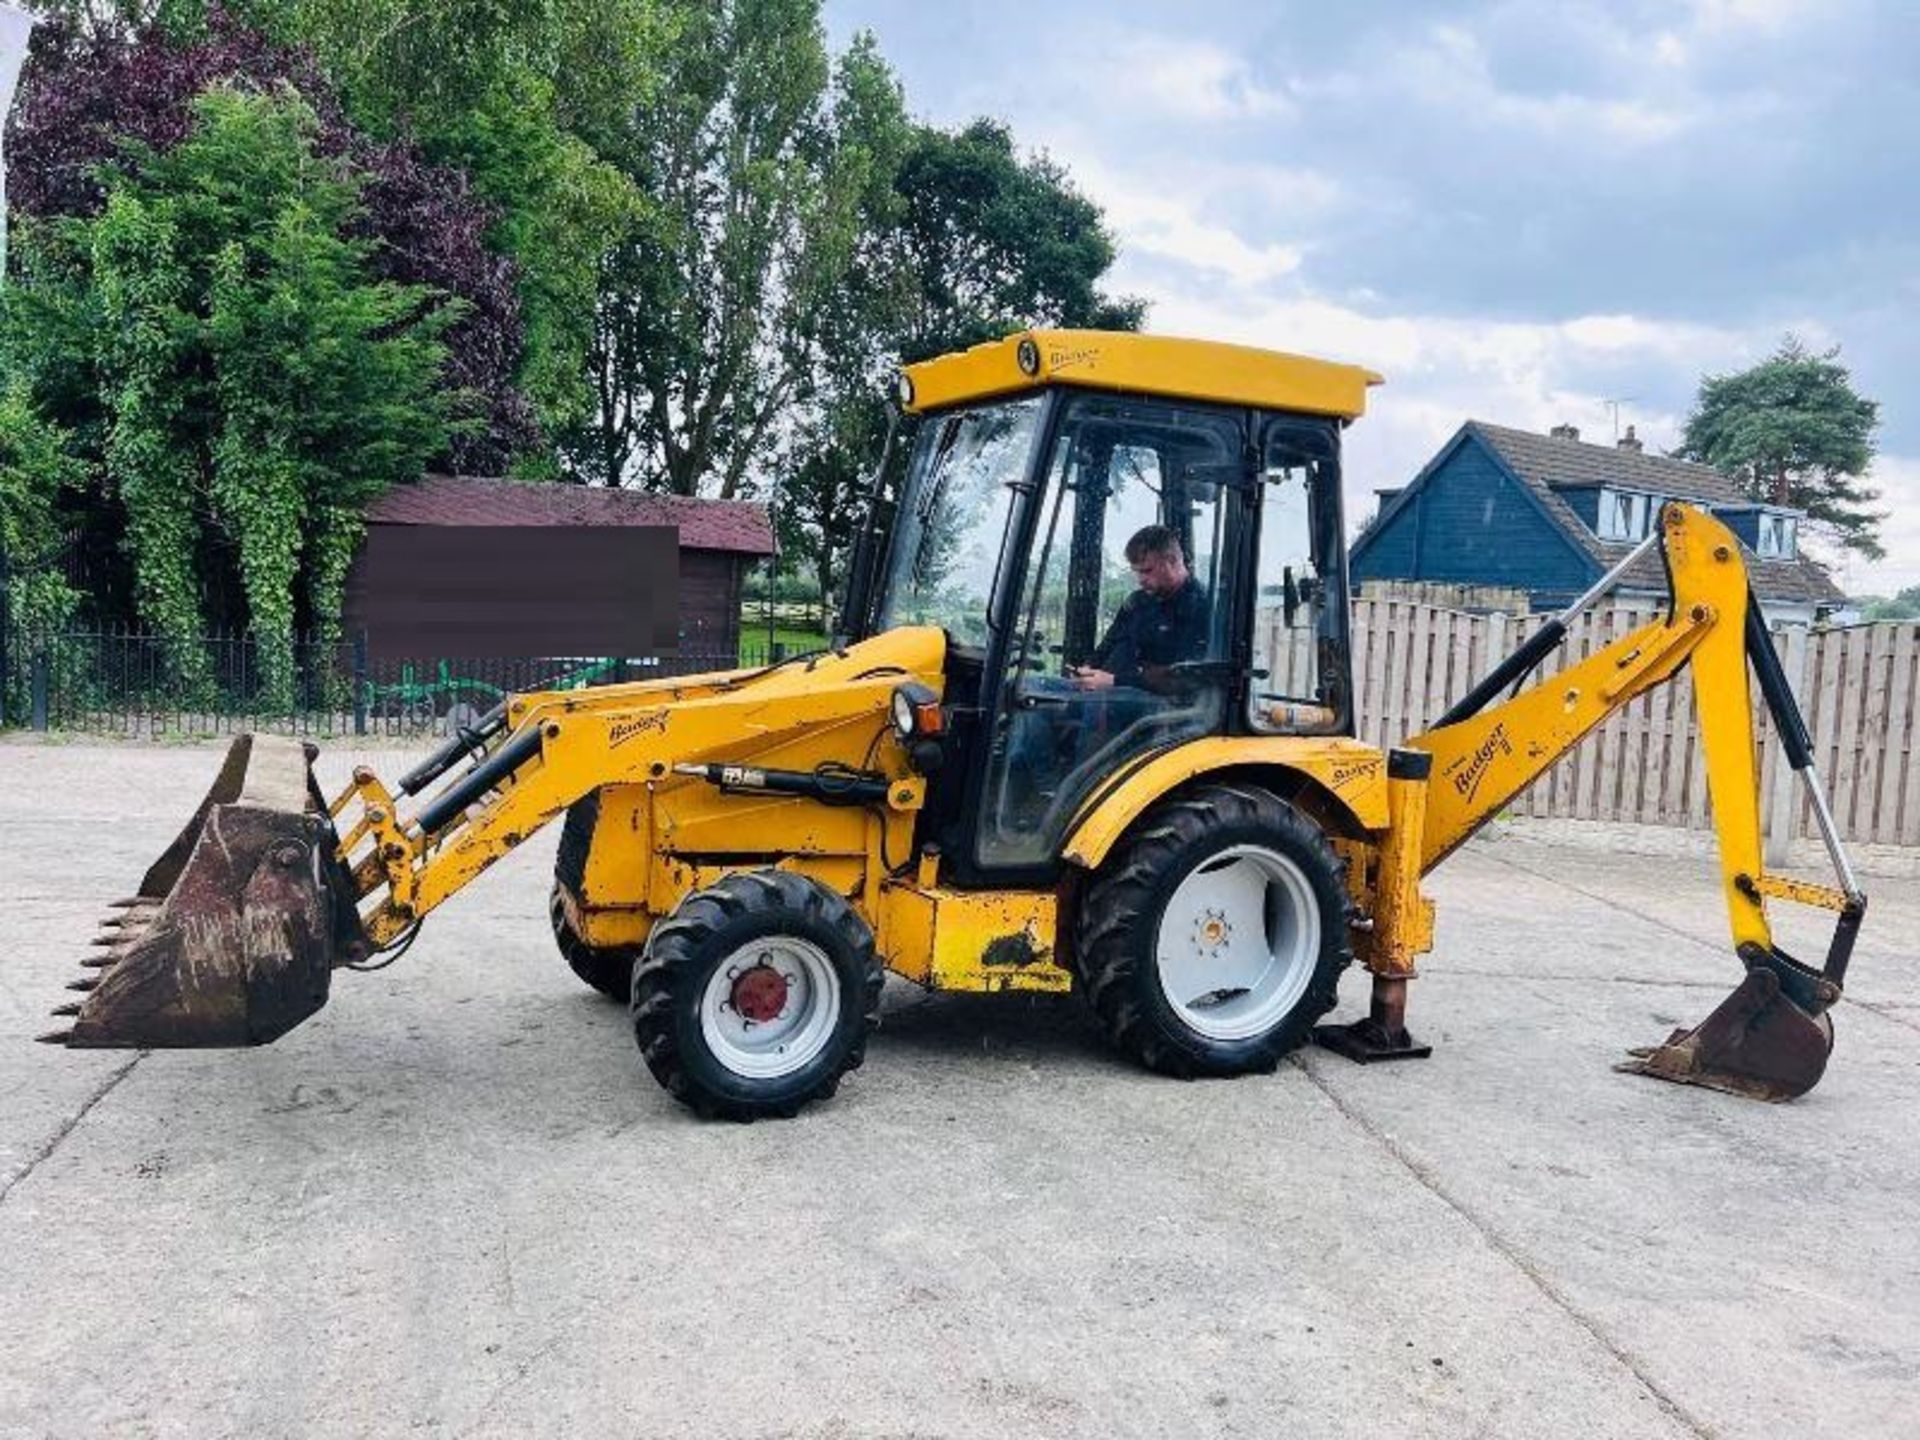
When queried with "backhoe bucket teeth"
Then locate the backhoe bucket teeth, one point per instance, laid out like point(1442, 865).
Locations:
point(1768, 1040)
point(237, 926)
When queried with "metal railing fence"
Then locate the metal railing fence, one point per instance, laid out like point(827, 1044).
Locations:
point(129, 683)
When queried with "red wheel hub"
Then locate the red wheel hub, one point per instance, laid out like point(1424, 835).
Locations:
point(760, 994)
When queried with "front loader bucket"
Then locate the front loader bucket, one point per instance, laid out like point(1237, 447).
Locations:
point(1768, 1040)
point(237, 927)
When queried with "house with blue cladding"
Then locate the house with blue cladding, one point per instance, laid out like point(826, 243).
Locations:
point(1550, 514)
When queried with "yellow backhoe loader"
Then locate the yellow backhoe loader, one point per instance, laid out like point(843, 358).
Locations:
point(1011, 773)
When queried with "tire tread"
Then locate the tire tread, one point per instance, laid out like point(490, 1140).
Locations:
point(676, 952)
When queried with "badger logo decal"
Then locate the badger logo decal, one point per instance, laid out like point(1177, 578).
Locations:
point(652, 722)
point(1468, 774)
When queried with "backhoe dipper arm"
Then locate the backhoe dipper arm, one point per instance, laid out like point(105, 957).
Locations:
point(1484, 755)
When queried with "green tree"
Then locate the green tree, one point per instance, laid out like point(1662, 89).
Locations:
point(37, 472)
point(1794, 432)
point(253, 386)
point(147, 390)
point(1904, 606)
point(986, 243)
point(973, 243)
point(523, 96)
point(536, 102)
point(762, 160)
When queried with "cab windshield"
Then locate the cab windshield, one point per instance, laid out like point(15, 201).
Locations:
point(952, 525)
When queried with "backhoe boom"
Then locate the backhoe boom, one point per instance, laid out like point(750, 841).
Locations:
point(1483, 755)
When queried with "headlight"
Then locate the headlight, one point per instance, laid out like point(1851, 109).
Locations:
point(915, 710)
point(903, 716)
point(906, 389)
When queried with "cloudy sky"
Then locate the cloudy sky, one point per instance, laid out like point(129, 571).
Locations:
point(1525, 211)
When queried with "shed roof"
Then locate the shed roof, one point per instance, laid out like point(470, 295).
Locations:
point(742, 527)
point(1548, 464)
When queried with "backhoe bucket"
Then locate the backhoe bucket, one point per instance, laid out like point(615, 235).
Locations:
point(1768, 1040)
point(238, 925)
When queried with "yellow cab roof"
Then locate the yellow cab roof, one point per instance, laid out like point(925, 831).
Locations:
point(1139, 364)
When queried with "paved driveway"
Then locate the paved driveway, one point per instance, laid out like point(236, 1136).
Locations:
point(454, 1204)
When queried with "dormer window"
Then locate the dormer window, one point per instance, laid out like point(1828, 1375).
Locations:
point(1625, 515)
point(1776, 537)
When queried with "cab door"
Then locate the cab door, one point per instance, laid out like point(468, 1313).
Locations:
point(1301, 671)
point(1115, 467)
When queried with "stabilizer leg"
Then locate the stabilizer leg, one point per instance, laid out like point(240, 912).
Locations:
point(1383, 1034)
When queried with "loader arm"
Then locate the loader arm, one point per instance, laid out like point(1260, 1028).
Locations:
point(549, 750)
point(1485, 754)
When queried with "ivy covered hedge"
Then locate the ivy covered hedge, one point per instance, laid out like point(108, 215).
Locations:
point(254, 380)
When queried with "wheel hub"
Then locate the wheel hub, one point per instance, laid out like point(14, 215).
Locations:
point(1211, 932)
point(759, 994)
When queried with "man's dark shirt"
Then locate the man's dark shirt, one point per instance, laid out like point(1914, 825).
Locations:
point(1151, 630)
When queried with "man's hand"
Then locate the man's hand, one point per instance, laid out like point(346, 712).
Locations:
point(1085, 677)
point(1157, 678)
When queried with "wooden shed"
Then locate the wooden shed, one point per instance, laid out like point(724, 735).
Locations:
point(718, 540)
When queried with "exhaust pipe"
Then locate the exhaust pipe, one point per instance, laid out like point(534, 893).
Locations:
point(235, 931)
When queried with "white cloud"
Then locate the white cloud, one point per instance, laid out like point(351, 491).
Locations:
point(1169, 223)
point(1897, 478)
point(1448, 69)
point(1513, 217)
point(1767, 16)
point(1185, 80)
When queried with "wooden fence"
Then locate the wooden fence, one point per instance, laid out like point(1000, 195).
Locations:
point(1859, 688)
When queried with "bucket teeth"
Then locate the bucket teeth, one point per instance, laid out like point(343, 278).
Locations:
point(122, 931)
point(55, 1037)
point(61, 1011)
point(100, 962)
point(84, 983)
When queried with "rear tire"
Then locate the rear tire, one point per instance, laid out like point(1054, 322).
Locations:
point(1214, 937)
point(756, 996)
point(610, 971)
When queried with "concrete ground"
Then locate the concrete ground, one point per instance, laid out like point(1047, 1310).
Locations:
point(455, 1204)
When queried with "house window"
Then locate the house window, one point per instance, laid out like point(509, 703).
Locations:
point(1776, 537)
point(1624, 515)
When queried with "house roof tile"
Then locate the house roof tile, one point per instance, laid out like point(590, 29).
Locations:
point(739, 526)
point(1547, 464)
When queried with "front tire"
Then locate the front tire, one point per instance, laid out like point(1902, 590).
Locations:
point(756, 996)
point(1215, 935)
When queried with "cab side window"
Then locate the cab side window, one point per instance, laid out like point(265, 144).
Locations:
point(1299, 606)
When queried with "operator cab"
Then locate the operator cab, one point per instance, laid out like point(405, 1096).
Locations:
point(1120, 564)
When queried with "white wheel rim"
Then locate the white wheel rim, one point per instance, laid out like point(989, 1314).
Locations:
point(1238, 943)
point(779, 1045)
